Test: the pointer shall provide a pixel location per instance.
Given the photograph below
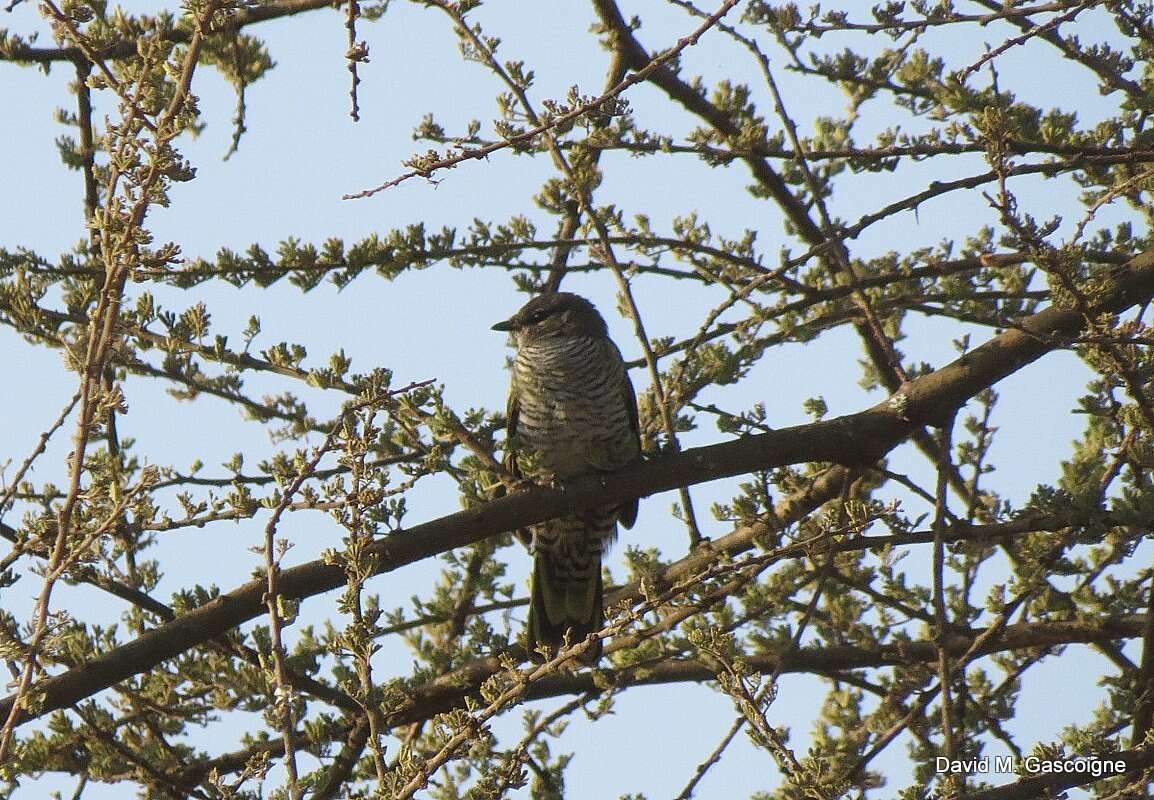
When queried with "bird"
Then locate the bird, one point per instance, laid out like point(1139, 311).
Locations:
point(572, 412)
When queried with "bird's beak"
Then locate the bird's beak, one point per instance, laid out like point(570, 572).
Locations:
point(507, 325)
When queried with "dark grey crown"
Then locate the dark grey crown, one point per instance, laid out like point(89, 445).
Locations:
point(555, 314)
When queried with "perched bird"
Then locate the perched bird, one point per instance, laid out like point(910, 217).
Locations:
point(572, 412)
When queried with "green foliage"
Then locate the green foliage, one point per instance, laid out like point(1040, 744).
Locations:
point(820, 568)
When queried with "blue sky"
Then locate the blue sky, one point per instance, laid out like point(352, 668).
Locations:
point(302, 153)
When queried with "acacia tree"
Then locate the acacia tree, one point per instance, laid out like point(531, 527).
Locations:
point(929, 655)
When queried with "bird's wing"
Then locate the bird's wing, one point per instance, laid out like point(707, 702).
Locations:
point(628, 514)
point(513, 415)
point(630, 398)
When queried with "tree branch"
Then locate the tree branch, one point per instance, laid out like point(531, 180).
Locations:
point(859, 438)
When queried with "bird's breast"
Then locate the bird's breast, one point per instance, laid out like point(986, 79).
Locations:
point(573, 409)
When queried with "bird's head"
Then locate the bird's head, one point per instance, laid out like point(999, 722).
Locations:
point(554, 315)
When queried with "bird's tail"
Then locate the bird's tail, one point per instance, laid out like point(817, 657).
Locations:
point(567, 593)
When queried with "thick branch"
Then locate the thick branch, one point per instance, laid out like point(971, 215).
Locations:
point(859, 438)
point(1051, 785)
point(127, 47)
point(442, 695)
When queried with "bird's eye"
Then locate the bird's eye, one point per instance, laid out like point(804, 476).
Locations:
point(535, 318)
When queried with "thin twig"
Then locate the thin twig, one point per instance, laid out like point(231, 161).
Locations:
point(427, 166)
point(956, 782)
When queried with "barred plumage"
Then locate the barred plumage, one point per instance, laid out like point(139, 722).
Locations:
point(571, 412)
